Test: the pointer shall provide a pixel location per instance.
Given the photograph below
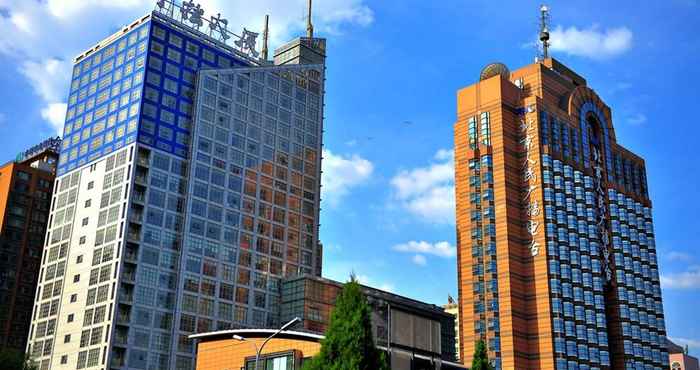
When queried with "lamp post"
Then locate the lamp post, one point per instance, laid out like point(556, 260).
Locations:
point(258, 350)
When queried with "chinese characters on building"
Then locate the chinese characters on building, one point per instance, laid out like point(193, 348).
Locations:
point(192, 15)
point(530, 181)
point(603, 233)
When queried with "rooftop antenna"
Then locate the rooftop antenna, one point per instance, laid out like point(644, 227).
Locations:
point(266, 35)
point(544, 30)
point(309, 26)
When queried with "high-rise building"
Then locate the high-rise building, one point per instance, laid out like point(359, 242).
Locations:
point(556, 257)
point(188, 186)
point(25, 198)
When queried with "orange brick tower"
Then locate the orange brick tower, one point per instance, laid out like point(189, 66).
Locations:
point(556, 257)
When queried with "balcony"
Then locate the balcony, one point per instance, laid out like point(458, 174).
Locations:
point(136, 217)
point(138, 197)
point(130, 255)
point(129, 276)
point(142, 160)
point(124, 318)
point(134, 236)
point(126, 297)
point(118, 359)
point(141, 178)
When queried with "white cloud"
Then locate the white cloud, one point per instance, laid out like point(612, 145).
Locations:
point(55, 115)
point(49, 78)
point(637, 119)
point(591, 42)
point(428, 192)
point(689, 279)
point(50, 33)
point(691, 343)
point(440, 249)
point(341, 173)
point(365, 280)
point(419, 260)
point(675, 256)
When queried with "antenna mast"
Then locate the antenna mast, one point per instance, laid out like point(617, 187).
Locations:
point(544, 30)
point(266, 35)
point(309, 26)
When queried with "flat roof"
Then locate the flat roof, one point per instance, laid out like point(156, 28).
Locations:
point(255, 333)
point(264, 333)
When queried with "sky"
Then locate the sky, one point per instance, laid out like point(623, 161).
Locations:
point(394, 67)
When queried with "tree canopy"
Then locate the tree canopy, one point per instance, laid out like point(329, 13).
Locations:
point(481, 359)
point(15, 360)
point(349, 344)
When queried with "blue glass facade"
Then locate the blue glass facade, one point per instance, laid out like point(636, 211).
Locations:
point(138, 88)
point(174, 57)
point(104, 100)
point(580, 289)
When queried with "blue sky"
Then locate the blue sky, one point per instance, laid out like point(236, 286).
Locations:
point(394, 67)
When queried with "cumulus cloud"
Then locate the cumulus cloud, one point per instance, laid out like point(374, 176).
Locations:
point(689, 279)
point(591, 42)
point(420, 248)
point(55, 115)
point(366, 280)
point(419, 260)
point(637, 119)
point(49, 34)
point(440, 249)
point(675, 256)
point(691, 343)
point(341, 173)
point(428, 192)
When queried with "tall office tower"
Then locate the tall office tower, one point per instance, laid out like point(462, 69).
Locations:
point(557, 262)
point(188, 186)
point(25, 196)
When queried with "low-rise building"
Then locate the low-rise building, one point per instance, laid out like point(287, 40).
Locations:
point(453, 308)
point(416, 335)
point(679, 357)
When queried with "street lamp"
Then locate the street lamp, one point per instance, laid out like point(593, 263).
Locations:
point(259, 350)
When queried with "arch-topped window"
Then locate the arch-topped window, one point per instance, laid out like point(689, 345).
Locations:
point(593, 124)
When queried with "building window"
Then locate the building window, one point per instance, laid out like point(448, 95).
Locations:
point(73, 298)
point(66, 339)
point(276, 362)
point(485, 129)
point(473, 135)
point(85, 221)
point(88, 203)
point(64, 358)
point(70, 318)
point(76, 278)
point(91, 185)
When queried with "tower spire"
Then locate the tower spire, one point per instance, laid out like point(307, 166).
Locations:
point(266, 35)
point(544, 30)
point(309, 25)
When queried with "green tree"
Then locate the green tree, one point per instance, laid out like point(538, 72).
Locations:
point(349, 344)
point(15, 360)
point(481, 359)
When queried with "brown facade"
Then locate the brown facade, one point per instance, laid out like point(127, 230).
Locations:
point(25, 196)
point(227, 353)
point(509, 229)
point(398, 322)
